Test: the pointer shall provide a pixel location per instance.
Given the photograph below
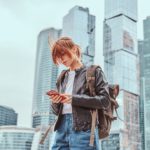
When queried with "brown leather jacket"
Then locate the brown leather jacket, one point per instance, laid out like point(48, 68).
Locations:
point(82, 103)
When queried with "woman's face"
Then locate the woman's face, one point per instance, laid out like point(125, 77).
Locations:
point(66, 60)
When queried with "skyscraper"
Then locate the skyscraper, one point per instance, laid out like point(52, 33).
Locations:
point(13, 138)
point(141, 100)
point(45, 79)
point(121, 67)
point(144, 51)
point(80, 26)
point(7, 116)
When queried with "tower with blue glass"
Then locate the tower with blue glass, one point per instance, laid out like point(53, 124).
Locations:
point(144, 51)
point(121, 66)
point(79, 24)
point(8, 116)
point(46, 73)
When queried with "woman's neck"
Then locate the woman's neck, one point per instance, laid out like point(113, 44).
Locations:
point(75, 65)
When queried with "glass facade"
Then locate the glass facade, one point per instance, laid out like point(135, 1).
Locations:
point(144, 50)
point(80, 26)
point(15, 138)
point(46, 73)
point(115, 8)
point(120, 33)
point(7, 116)
point(113, 142)
point(121, 68)
point(121, 65)
point(141, 100)
point(45, 78)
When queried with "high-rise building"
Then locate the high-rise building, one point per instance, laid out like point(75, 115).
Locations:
point(45, 79)
point(144, 51)
point(16, 138)
point(7, 116)
point(141, 100)
point(121, 67)
point(79, 24)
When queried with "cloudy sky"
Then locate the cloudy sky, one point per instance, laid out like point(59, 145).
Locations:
point(20, 23)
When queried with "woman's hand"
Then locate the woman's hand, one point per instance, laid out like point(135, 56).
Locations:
point(67, 99)
point(55, 98)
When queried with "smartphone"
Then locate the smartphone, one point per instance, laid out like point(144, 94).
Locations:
point(53, 92)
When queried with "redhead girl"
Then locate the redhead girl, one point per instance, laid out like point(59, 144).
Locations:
point(73, 126)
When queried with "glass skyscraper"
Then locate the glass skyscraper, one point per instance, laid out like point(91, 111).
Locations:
point(7, 116)
point(15, 138)
point(121, 67)
point(141, 101)
point(80, 26)
point(45, 79)
point(144, 51)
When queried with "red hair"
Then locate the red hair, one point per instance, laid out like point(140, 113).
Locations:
point(63, 46)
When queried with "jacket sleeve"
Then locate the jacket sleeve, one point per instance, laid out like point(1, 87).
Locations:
point(101, 100)
point(55, 107)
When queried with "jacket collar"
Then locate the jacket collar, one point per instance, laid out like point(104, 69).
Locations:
point(78, 69)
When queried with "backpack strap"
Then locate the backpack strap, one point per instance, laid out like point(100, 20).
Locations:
point(90, 84)
point(45, 134)
point(94, 116)
point(90, 78)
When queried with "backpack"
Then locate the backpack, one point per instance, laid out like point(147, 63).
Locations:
point(103, 116)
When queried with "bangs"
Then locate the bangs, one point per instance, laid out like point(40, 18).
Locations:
point(64, 46)
point(58, 51)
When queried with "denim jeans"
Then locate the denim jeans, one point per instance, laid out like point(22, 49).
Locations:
point(66, 138)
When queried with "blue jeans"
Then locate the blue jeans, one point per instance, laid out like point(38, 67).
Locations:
point(66, 138)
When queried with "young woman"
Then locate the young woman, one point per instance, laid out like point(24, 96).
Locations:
point(73, 126)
